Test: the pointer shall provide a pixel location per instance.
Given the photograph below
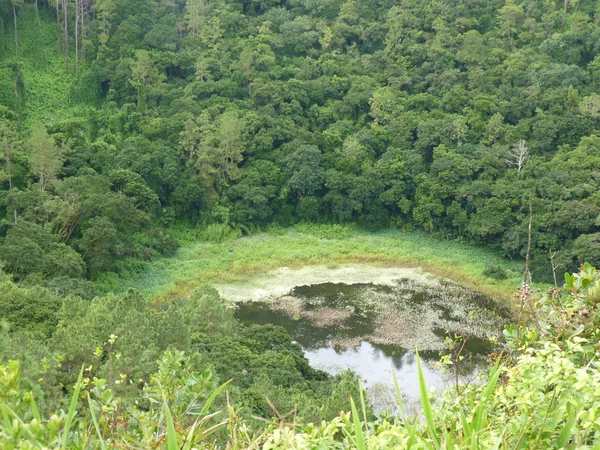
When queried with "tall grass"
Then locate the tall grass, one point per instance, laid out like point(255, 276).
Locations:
point(240, 259)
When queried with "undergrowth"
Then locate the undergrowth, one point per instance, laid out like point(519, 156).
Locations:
point(47, 94)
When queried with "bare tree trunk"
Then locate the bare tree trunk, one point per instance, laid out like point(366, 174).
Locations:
point(527, 274)
point(554, 267)
point(16, 33)
point(43, 181)
point(524, 297)
point(57, 28)
point(82, 30)
point(17, 74)
point(76, 37)
point(566, 6)
point(66, 34)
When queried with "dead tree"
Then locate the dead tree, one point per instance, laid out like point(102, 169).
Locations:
point(518, 156)
point(554, 267)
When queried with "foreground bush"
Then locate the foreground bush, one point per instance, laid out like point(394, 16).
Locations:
point(542, 393)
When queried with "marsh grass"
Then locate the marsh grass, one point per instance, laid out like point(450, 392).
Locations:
point(241, 259)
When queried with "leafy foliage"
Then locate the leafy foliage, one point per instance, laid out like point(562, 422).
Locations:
point(541, 393)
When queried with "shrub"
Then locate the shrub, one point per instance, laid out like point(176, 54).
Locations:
point(495, 272)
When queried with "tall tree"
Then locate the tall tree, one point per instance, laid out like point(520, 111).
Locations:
point(215, 151)
point(56, 5)
point(105, 13)
point(82, 11)
point(13, 5)
point(8, 145)
point(45, 157)
point(196, 15)
point(144, 75)
point(509, 17)
point(518, 156)
point(231, 144)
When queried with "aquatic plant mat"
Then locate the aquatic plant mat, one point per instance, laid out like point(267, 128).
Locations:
point(387, 306)
point(371, 320)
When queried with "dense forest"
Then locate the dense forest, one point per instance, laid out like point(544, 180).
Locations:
point(121, 117)
point(123, 122)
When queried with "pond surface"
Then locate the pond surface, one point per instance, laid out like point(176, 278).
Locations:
point(374, 330)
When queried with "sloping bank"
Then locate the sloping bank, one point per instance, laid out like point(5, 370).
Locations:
point(313, 245)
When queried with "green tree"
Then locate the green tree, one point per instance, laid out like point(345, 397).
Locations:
point(304, 171)
point(145, 77)
point(45, 157)
point(29, 309)
point(510, 16)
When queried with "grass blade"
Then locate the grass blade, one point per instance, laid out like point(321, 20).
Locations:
point(213, 429)
point(212, 398)
point(96, 426)
point(19, 420)
point(34, 408)
point(426, 403)
point(358, 431)
point(485, 397)
point(187, 445)
point(7, 423)
point(72, 411)
point(363, 405)
point(466, 426)
point(412, 433)
point(399, 397)
point(171, 435)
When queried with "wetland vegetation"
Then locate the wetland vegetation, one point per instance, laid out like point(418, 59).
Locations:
point(305, 245)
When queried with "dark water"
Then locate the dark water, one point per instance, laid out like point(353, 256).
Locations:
point(371, 360)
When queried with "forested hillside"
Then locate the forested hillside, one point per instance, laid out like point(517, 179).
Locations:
point(121, 117)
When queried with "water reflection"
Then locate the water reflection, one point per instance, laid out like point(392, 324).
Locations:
point(347, 340)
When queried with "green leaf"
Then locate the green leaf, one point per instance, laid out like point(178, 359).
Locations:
point(34, 408)
point(95, 421)
point(190, 436)
point(358, 431)
point(72, 411)
point(569, 280)
point(465, 425)
point(212, 398)
point(485, 398)
point(399, 397)
point(565, 434)
point(426, 403)
point(6, 408)
point(171, 435)
point(363, 405)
